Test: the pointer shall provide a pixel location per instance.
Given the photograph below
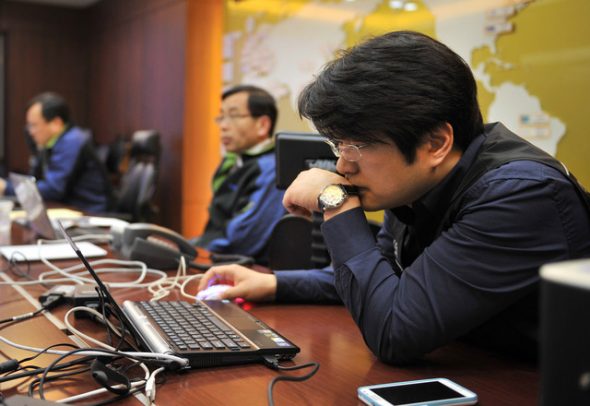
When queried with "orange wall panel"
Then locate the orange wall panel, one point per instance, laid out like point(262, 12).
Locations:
point(201, 147)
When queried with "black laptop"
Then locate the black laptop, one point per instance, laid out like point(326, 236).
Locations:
point(206, 333)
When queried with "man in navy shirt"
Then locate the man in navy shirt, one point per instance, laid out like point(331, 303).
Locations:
point(68, 169)
point(471, 210)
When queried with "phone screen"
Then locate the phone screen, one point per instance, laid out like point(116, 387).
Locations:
point(416, 392)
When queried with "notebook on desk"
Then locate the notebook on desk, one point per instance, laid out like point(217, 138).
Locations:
point(27, 193)
point(206, 333)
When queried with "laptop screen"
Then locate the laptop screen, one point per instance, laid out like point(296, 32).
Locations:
point(31, 201)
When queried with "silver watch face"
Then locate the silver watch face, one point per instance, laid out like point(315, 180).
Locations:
point(332, 196)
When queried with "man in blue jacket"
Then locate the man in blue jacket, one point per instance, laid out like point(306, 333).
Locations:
point(246, 203)
point(471, 210)
point(69, 170)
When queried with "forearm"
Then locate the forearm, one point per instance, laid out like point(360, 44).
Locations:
point(311, 286)
point(368, 286)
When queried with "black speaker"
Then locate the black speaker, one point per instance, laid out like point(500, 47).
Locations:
point(565, 333)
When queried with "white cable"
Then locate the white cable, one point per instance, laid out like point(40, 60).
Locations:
point(161, 289)
point(130, 284)
point(158, 294)
point(65, 272)
point(75, 271)
point(149, 379)
point(185, 283)
point(43, 277)
point(95, 392)
point(85, 337)
point(183, 362)
point(72, 274)
point(150, 386)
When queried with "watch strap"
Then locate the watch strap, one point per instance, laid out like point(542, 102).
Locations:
point(347, 190)
point(350, 190)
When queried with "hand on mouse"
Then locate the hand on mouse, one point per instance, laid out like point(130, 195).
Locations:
point(247, 284)
point(213, 292)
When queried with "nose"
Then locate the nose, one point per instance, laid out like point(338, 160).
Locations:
point(345, 167)
point(33, 132)
point(223, 124)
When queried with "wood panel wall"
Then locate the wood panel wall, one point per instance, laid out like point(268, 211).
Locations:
point(45, 49)
point(121, 66)
point(137, 81)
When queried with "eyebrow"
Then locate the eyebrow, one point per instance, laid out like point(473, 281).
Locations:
point(231, 110)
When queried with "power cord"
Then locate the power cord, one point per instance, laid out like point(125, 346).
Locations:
point(165, 361)
point(273, 363)
point(14, 365)
point(49, 303)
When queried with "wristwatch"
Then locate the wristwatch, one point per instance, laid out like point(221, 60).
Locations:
point(334, 196)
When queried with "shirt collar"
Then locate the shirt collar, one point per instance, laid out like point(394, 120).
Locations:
point(258, 149)
point(261, 147)
point(49, 144)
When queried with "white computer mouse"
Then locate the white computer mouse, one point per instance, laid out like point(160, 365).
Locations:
point(213, 292)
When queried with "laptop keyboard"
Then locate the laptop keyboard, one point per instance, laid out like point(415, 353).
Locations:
point(192, 327)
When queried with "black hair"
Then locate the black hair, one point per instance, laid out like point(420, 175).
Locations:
point(52, 105)
point(260, 102)
point(399, 86)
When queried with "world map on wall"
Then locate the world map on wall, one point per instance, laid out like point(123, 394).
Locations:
point(530, 68)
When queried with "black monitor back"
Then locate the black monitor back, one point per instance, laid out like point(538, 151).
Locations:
point(299, 151)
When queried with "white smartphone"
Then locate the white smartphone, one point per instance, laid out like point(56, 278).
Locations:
point(431, 392)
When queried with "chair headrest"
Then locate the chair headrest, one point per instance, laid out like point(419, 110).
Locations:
point(145, 142)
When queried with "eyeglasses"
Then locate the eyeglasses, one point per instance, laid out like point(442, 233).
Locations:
point(348, 152)
point(230, 117)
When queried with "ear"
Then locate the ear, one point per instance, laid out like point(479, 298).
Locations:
point(57, 125)
point(440, 143)
point(263, 127)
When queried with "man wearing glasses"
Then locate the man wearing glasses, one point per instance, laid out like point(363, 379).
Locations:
point(471, 210)
point(68, 169)
point(246, 203)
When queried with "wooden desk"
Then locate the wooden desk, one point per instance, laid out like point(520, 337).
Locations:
point(326, 334)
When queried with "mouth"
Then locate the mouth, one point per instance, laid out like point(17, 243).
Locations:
point(359, 191)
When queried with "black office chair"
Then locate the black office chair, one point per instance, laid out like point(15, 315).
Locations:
point(320, 257)
point(138, 184)
point(298, 243)
point(145, 147)
point(290, 244)
point(112, 155)
point(115, 155)
point(137, 189)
